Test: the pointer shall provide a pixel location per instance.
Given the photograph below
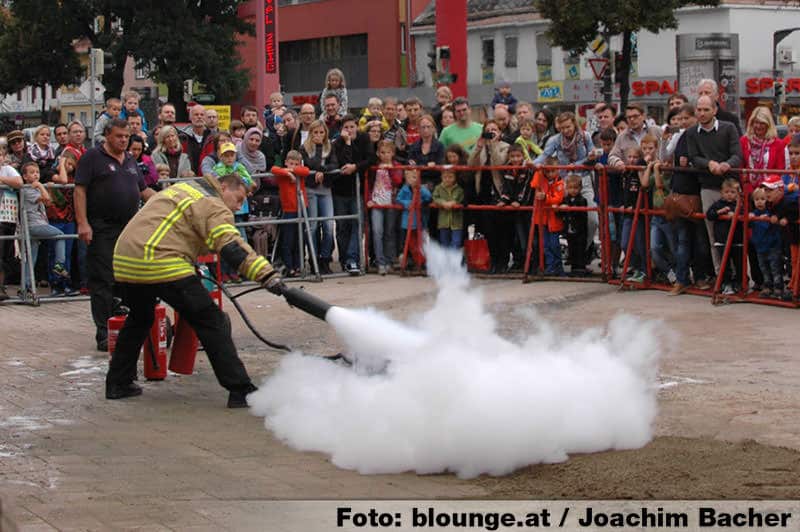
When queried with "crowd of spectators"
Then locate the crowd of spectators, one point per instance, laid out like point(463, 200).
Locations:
point(685, 166)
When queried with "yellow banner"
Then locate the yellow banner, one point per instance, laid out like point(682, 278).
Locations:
point(550, 91)
point(224, 112)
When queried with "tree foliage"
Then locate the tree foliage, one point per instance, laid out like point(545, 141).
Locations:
point(174, 40)
point(575, 23)
point(36, 46)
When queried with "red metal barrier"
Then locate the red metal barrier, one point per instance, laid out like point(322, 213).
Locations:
point(642, 209)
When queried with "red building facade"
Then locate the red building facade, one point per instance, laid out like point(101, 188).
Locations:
point(367, 40)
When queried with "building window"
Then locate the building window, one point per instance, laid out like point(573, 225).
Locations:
point(544, 54)
point(52, 93)
point(83, 118)
point(487, 47)
point(19, 96)
point(70, 117)
point(511, 51)
point(303, 64)
point(403, 48)
point(143, 72)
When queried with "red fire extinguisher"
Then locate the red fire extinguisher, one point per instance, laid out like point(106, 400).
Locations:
point(115, 324)
point(184, 347)
point(155, 347)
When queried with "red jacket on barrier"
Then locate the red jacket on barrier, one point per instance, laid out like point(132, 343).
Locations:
point(554, 195)
point(288, 190)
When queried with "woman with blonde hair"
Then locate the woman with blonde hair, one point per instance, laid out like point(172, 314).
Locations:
point(335, 84)
point(761, 148)
point(168, 151)
point(320, 159)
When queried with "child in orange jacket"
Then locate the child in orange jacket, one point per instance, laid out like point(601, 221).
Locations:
point(287, 179)
point(549, 192)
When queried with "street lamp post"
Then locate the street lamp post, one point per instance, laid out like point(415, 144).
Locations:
point(777, 75)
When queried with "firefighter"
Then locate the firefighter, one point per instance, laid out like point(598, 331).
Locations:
point(154, 258)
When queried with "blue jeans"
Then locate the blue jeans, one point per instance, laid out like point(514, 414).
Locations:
point(290, 251)
point(637, 261)
point(691, 249)
point(662, 240)
point(44, 231)
point(771, 264)
point(347, 237)
point(68, 228)
point(321, 205)
point(451, 238)
point(552, 253)
point(384, 235)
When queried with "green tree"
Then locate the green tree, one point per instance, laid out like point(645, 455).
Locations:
point(174, 40)
point(36, 47)
point(575, 23)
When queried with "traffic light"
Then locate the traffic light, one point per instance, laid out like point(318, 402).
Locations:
point(779, 90)
point(433, 64)
point(108, 63)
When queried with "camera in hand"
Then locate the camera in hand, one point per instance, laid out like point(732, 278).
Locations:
point(488, 135)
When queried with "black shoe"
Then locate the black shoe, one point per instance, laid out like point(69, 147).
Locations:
point(121, 392)
point(239, 399)
point(102, 345)
point(3, 293)
point(325, 268)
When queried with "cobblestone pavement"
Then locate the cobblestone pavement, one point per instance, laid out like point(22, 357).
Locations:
point(177, 459)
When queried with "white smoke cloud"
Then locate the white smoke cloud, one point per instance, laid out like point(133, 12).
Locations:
point(445, 392)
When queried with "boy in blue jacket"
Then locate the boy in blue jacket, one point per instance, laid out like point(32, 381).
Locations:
point(767, 241)
point(405, 197)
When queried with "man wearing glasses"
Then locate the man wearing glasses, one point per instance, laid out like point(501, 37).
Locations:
point(296, 137)
point(631, 137)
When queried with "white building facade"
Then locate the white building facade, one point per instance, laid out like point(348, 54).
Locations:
point(515, 49)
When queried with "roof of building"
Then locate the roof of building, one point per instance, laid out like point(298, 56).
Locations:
point(480, 9)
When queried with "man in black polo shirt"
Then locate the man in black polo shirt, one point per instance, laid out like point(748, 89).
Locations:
point(713, 147)
point(108, 186)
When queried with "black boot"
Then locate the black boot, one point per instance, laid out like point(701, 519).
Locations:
point(121, 392)
point(239, 399)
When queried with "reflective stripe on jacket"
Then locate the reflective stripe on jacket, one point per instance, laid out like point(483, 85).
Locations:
point(161, 243)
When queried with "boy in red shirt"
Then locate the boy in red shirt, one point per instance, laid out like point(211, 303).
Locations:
point(287, 179)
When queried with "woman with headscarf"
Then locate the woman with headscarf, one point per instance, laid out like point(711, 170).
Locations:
point(249, 153)
point(168, 151)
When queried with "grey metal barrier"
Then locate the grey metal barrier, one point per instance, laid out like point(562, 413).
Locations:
point(303, 221)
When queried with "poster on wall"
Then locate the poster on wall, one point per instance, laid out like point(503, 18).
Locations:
point(545, 72)
point(550, 91)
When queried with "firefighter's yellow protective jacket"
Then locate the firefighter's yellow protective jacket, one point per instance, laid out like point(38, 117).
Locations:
point(161, 243)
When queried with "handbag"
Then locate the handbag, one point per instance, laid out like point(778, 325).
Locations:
point(9, 207)
point(681, 206)
point(477, 252)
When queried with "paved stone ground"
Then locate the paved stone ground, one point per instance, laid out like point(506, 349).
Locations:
point(177, 459)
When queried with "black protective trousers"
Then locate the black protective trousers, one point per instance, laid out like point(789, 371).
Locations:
point(191, 300)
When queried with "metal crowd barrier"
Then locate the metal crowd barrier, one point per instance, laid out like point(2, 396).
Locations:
point(641, 210)
point(303, 221)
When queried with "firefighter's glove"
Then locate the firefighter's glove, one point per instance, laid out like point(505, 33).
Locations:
point(274, 284)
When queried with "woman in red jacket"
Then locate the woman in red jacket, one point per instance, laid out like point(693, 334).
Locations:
point(761, 148)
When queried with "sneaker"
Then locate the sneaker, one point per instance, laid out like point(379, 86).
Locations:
point(636, 277)
point(766, 292)
point(703, 284)
point(102, 345)
point(325, 268)
point(60, 271)
point(353, 269)
point(383, 269)
point(84, 291)
point(678, 289)
point(25, 294)
point(57, 292)
point(71, 292)
point(3, 294)
point(121, 392)
point(728, 290)
point(671, 277)
point(239, 399)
